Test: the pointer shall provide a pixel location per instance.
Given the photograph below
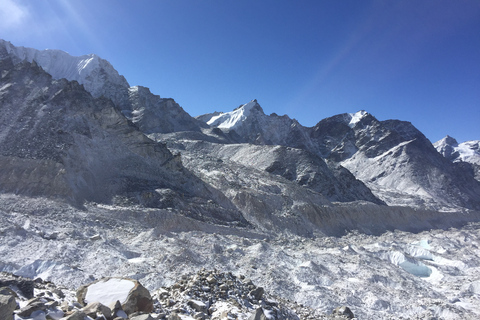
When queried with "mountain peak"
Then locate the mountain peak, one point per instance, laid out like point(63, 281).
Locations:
point(356, 117)
point(447, 141)
point(96, 74)
point(234, 119)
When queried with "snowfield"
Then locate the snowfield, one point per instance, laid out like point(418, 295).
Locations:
point(395, 275)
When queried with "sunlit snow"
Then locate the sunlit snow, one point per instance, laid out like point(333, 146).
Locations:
point(231, 120)
point(109, 291)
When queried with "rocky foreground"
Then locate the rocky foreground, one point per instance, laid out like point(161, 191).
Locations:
point(204, 295)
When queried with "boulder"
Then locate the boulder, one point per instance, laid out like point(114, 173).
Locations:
point(174, 316)
point(257, 293)
point(7, 304)
point(32, 305)
point(258, 315)
point(76, 315)
point(130, 293)
point(142, 317)
point(198, 306)
point(343, 311)
point(95, 308)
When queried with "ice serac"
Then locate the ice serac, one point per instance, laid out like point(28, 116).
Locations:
point(465, 154)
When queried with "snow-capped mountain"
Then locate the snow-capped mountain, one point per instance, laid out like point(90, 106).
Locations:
point(465, 153)
point(96, 74)
point(393, 158)
point(399, 164)
point(150, 112)
point(250, 124)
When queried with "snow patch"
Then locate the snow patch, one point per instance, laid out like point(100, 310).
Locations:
point(42, 269)
point(233, 119)
point(469, 151)
point(109, 291)
point(356, 117)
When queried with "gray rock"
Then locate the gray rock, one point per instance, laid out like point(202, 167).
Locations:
point(197, 305)
point(94, 308)
point(257, 293)
point(76, 315)
point(7, 305)
point(343, 311)
point(258, 315)
point(142, 317)
point(174, 316)
point(200, 316)
point(32, 305)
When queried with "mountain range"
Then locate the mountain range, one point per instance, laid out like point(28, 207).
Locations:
point(344, 158)
point(73, 131)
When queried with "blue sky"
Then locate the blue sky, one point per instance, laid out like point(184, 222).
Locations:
point(417, 61)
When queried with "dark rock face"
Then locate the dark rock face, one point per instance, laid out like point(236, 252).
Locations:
point(153, 114)
point(56, 139)
point(334, 138)
point(395, 155)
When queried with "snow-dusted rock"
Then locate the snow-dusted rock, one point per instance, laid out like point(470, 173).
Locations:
point(132, 295)
point(153, 114)
point(392, 158)
point(397, 162)
point(344, 311)
point(32, 305)
point(142, 317)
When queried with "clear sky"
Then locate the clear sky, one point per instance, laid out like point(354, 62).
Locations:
point(413, 60)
